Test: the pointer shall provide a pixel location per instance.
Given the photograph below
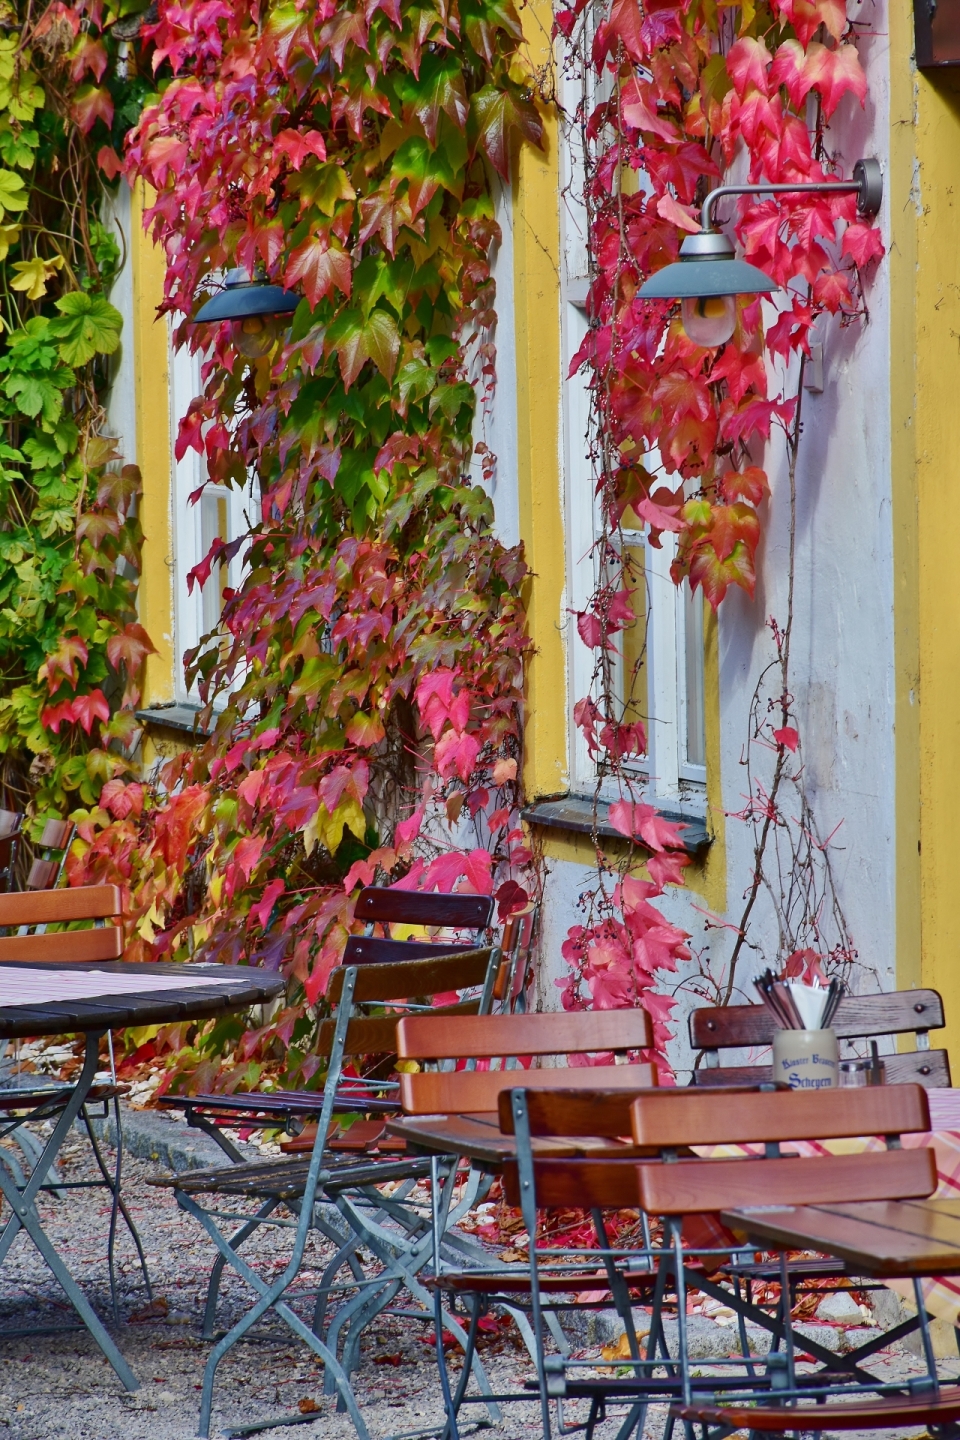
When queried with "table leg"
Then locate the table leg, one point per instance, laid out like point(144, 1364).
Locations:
point(25, 1217)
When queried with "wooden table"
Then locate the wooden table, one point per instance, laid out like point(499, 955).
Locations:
point(478, 1138)
point(39, 1000)
point(877, 1238)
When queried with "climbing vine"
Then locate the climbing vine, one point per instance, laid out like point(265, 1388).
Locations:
point(673, 97)
point(71, 651)
point(365, 680)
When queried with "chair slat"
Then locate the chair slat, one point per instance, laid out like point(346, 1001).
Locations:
point(893, 1013)
point(381, 904)
point(411, 978)
point(43, 874)
point(464, 1092)
point(555, 1033)
point(906, 1410)
point(378, 1034)
point(929, 1068)
point(64, 949)
point(56, 834)
point(51, 907)
point(696, 1187)
point(581, 1184)
point(372, 950)
point(671, 1118)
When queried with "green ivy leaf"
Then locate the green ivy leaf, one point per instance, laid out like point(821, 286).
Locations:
point(88, 326)
point(14, 196)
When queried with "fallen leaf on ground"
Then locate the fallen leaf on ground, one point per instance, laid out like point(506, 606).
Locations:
point(308, 1405)
point(156, 1310)
point(621, 1351)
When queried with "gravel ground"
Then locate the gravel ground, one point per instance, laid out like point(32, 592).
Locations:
point(59, 1385)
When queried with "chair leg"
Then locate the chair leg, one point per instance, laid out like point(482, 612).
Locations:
point(216, 1274)
point(117, 1206)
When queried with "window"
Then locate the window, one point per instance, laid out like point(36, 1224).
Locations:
point(668, 694)
point(219, 512)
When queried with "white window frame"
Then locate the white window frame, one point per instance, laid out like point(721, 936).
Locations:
point(221, 510)
point(666, 776)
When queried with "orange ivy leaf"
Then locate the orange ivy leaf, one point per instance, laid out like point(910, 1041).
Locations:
point(130, 648)
point(90, 104)
point(63, 662)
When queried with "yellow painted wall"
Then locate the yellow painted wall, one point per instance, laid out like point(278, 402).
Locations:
point(152, 387)
point(536, 241)
point(924, 180)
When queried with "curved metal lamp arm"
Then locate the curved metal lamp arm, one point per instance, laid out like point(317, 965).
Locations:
point(867, 184)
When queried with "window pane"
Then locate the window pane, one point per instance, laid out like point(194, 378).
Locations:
point(213, 526)
point(693, 663)
point(634, 639)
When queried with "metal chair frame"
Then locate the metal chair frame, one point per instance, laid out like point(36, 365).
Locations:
point(326, 1179)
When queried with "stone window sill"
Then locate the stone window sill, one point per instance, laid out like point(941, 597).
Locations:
point(576, 813)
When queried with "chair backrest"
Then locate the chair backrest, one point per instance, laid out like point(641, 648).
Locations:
point(55, 840)
point(506, 1037)
point(414, 982)
point(897, 1012)
point(701, 1118)
point(664, 1122)
point(26, 909)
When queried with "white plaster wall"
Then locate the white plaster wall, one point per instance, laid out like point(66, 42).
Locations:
point(121, 404)
point(497, 427)
point(843, 659)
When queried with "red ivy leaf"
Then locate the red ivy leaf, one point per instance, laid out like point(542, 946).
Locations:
point(862, 243)
point(787, 737)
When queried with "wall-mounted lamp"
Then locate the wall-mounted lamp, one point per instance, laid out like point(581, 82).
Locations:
point(258, 306)
point(708, 277)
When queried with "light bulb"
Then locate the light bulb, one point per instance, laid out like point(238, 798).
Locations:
point(709, 320)
point(255, 335)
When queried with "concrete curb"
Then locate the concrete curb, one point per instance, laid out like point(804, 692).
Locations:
point(152, 1135)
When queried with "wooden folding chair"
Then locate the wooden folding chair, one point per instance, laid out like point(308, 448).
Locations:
point(674, 1189)
point(858, 1017)
point(29, 915)
point(378, 907)
point(367, 1001)
point(503, 1038)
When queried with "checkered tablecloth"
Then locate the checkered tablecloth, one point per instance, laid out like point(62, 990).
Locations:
point(942, 1293)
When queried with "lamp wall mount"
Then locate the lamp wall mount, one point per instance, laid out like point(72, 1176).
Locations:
point(866, 183)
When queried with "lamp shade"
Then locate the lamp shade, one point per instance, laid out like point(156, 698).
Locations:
point(707, 266)
point(242, 297)
point(693, 279)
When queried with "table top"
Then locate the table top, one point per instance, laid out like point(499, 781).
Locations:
point(122, 993)
point(478, 1138)
point(879, 1237)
